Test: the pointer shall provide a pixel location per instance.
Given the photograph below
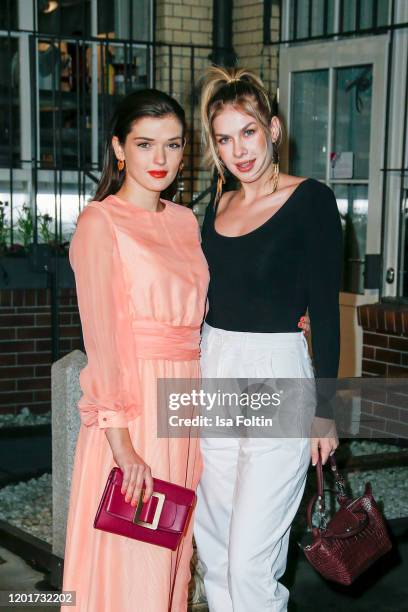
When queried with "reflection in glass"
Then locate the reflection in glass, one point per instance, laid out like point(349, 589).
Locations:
point(8, 15)
point(9, 103)
point(309, 123)
point(123, 18)
point(299, 18)
point(370, 14)
point(132, 18)
point(352, 202)
point(64, 103)
point(348, 16)
point(383, 8)
point(74, 18)
point(352, 116)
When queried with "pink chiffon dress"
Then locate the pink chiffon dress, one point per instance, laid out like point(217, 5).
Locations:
point(141, 281)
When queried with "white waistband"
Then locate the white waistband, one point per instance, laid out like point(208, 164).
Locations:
point(279, 339)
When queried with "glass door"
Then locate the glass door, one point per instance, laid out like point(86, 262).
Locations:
point(332, 99)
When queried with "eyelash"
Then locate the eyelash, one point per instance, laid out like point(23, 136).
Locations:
point(146, 145)
point(249, 132)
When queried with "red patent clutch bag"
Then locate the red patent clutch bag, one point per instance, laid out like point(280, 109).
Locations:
point(161, 521)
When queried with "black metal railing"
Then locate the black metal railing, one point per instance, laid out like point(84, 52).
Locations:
point(53, 121)
point(313, 20)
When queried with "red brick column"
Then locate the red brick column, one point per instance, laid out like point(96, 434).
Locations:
point(385, 354)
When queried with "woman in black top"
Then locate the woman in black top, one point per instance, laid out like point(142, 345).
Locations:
point(274, 250)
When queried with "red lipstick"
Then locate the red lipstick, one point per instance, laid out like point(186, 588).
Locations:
point(158, 173)
point(246, 166)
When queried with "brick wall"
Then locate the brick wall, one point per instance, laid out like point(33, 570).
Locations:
point(385, 354)
point(189, 22)
point(248, 40)
point(25, 345)
point(185, 22)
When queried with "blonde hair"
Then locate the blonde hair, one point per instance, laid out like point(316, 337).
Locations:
point(239, 87)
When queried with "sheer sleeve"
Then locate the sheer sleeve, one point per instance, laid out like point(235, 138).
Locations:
point(323, 236)
point(102, 311)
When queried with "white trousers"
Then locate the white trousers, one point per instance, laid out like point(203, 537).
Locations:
point(251, 488)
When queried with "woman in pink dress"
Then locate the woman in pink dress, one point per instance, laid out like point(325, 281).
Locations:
point(141, 281)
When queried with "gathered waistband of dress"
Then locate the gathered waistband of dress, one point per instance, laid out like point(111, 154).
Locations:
point(267, 339)
point(155, 340)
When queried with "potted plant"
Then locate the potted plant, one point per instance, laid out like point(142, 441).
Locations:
point(26, 264)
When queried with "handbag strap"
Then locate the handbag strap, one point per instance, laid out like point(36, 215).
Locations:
point(319, 496)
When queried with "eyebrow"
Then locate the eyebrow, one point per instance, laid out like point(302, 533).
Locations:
point(244, 128)
point(152, 139)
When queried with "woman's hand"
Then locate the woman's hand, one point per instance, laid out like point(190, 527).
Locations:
point(327, 444)
point(304, 324)
point(134, 469)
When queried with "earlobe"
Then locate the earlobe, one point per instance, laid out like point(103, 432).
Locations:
point(274, 130)
point(117, 148)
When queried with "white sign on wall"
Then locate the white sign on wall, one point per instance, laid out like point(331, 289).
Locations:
point(342, 165)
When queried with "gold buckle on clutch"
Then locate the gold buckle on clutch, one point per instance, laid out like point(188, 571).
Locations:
point(160, 503)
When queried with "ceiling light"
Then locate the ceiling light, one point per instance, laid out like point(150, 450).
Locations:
point(50, 7)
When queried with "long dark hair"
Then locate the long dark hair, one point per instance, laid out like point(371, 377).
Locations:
point(136, 105)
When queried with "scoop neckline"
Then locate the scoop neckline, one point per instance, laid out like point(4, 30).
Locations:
point(139, 208)
point(256, 229)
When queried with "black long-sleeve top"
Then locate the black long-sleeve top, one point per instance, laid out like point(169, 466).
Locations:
point(265, 280)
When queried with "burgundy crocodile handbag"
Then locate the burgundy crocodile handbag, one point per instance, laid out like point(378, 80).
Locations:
point(356, 536)
point(161, 521)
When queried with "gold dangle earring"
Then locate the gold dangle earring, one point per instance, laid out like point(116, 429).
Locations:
point(220, 184)
point(121, 164)
point(275, 166)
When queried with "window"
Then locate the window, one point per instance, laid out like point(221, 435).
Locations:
point(322, 18)
point(347, 132)
point(131, 19)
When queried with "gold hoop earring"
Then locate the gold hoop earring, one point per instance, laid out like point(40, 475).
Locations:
point(275, 165)
point(121, 164)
